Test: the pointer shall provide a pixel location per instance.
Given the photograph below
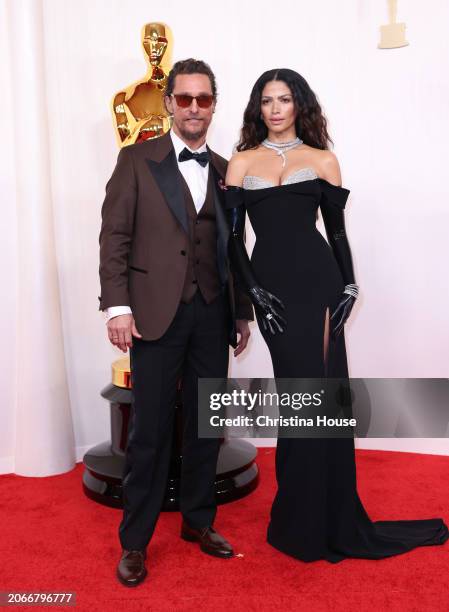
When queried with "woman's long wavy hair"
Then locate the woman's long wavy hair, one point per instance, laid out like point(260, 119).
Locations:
point(311, 124)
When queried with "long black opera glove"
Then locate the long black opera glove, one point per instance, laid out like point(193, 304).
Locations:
point(332, 209)
point(263, 300)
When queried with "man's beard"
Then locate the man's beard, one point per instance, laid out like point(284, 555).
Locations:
point(193, 136)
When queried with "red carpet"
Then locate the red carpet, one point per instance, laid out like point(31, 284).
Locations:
point(55, 539)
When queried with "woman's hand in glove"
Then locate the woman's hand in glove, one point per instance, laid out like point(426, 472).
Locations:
point(341, 314)
point(264, 302)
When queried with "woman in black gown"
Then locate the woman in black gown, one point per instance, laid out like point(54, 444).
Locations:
point(303, 290)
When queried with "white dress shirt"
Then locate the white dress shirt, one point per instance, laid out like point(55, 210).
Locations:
point(193, 172)
point(196, 177)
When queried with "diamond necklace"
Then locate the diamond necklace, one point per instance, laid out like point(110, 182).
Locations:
point(281, 148)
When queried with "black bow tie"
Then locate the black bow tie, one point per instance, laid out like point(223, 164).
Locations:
point(201, 158)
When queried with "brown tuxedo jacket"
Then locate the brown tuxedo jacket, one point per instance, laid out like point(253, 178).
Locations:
point(144, 237)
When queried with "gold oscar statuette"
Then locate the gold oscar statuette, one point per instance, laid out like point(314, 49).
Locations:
point(392, 35)
point(139, 114)
point(138, 110)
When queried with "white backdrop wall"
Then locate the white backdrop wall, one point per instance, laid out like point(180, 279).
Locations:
point(388, 117)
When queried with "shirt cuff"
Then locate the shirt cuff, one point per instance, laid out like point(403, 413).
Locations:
point(115, 311)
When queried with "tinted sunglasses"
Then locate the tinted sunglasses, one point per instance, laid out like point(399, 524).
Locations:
point(184, 100)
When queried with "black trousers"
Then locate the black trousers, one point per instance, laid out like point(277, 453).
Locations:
point(196, 344)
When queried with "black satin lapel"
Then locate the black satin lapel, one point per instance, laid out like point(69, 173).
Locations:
point(166, 174)
point(222, 228)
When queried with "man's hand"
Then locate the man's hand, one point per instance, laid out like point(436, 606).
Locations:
point(121, 329)
point(242, 329)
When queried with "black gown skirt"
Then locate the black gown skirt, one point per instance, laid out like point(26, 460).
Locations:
point(317, 513)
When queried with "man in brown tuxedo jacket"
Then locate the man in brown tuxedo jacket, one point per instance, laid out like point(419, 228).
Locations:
point(170, 298)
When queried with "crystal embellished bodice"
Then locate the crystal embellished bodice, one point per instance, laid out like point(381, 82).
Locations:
point(256, 182)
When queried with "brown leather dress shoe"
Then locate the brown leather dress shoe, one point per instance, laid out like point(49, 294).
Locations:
point(209, 540)
point(131, 569)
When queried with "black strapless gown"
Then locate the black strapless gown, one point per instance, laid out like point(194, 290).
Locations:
point(317, 513)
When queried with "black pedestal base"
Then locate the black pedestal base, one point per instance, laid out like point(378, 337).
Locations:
point(237, 475)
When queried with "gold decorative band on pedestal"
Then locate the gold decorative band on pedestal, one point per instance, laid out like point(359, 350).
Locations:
point(121, 373)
